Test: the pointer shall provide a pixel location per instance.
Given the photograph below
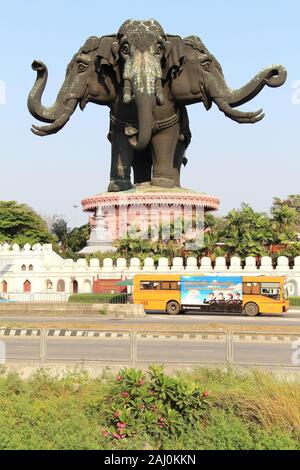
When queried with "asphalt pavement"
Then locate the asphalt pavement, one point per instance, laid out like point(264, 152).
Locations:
point(292, 318)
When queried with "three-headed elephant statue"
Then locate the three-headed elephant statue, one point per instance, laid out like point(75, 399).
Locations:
point(146, 78)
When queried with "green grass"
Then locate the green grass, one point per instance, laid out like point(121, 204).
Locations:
point(242, 411)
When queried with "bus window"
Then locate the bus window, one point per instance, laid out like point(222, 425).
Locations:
point(174, 285)
point(170, 285)
point(255, 288)
point(251, 288)
point(247, 288)
point(149, 285)
point(270, 289)
point(165, 285)
point(145, 285)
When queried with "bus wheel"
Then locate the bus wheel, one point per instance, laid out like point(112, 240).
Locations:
point(173, 308)
point(251, 309)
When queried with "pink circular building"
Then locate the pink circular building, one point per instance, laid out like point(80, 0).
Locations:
point(129, 213)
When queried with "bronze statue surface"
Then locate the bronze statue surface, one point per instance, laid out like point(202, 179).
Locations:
point(147, 78)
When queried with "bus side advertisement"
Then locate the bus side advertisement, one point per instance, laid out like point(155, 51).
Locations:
point(212, 293)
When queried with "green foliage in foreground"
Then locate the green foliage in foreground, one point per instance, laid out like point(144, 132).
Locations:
point(97, 298)
point(207, 409)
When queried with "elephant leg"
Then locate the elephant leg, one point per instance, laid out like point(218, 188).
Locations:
point(178, 162)
point(121, 161)
point(163, 148)
point(142, 166)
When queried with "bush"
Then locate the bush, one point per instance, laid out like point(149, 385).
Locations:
point(153, 405)
point(294, 301)
point(98, 298)
point(137, 410)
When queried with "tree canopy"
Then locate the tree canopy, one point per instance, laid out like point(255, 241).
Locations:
point(20, 224)
point(242, 232)
point(70, 241)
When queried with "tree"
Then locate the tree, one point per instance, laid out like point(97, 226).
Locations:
point(284, 223)
point(59, 228)
point(293, 202)
point(246, 232)
point(71, 241)
point(20, 224)
point(78, 237)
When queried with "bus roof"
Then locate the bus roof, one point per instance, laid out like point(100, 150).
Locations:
point(176, 277)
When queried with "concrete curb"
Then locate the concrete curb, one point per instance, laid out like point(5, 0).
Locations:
point(19, 332)
point(109, 311)
point(203, 337)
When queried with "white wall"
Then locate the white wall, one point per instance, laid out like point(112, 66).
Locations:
point(48, 266)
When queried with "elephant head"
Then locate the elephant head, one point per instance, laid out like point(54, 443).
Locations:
point(141, 55)
point(202, 80)
point(82, 84)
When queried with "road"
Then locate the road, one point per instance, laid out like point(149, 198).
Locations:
point(292, 318)
point(148, 350)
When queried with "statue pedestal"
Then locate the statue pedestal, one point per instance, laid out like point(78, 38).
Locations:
point(117, 215)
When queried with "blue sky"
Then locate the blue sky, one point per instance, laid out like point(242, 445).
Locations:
point(238, 163)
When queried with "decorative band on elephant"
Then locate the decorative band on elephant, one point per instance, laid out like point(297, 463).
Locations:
point(147, 78)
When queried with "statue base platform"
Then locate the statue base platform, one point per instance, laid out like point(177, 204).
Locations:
point(112, 214)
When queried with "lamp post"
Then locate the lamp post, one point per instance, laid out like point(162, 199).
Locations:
point(75, 206)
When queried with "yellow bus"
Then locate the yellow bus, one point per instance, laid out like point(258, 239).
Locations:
point(175, 293)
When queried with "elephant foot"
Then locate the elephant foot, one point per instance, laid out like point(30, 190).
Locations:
point(119, 185)
point(145, 184)
point(163, 182)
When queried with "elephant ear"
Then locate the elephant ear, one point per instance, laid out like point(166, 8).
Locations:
point(174, 56)
point(107, 54)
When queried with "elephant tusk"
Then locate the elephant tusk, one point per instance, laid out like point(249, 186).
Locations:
point(239, 116)
point(42, 131)
point(160, 100)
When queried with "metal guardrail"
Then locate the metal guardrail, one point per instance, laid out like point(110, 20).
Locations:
point(134, 348)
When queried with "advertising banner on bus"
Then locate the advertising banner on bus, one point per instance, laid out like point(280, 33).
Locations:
point(219, 291)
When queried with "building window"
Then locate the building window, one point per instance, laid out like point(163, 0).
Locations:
point(75, 286)
point(27, 286)
point(61, 286)
point(4, 287)
point(23, 267)
point(49, 284)
point(30, 267)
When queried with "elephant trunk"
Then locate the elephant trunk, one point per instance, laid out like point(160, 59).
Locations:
point(273, 76)
point(40, 112)
point(144, 104)
point(59, 123)
point(227, 99)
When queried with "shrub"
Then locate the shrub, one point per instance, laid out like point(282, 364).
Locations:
point(294, 301)
point(98, 298)
point(153, 404)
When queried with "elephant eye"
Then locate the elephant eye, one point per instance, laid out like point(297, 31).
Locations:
point(206, 66)
point(82, 67)
point(125, 49)
point(159, 49)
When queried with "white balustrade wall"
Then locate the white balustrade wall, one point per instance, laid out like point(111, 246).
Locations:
point(45, 271)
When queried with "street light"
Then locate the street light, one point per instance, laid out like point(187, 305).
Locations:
point(75, 206)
